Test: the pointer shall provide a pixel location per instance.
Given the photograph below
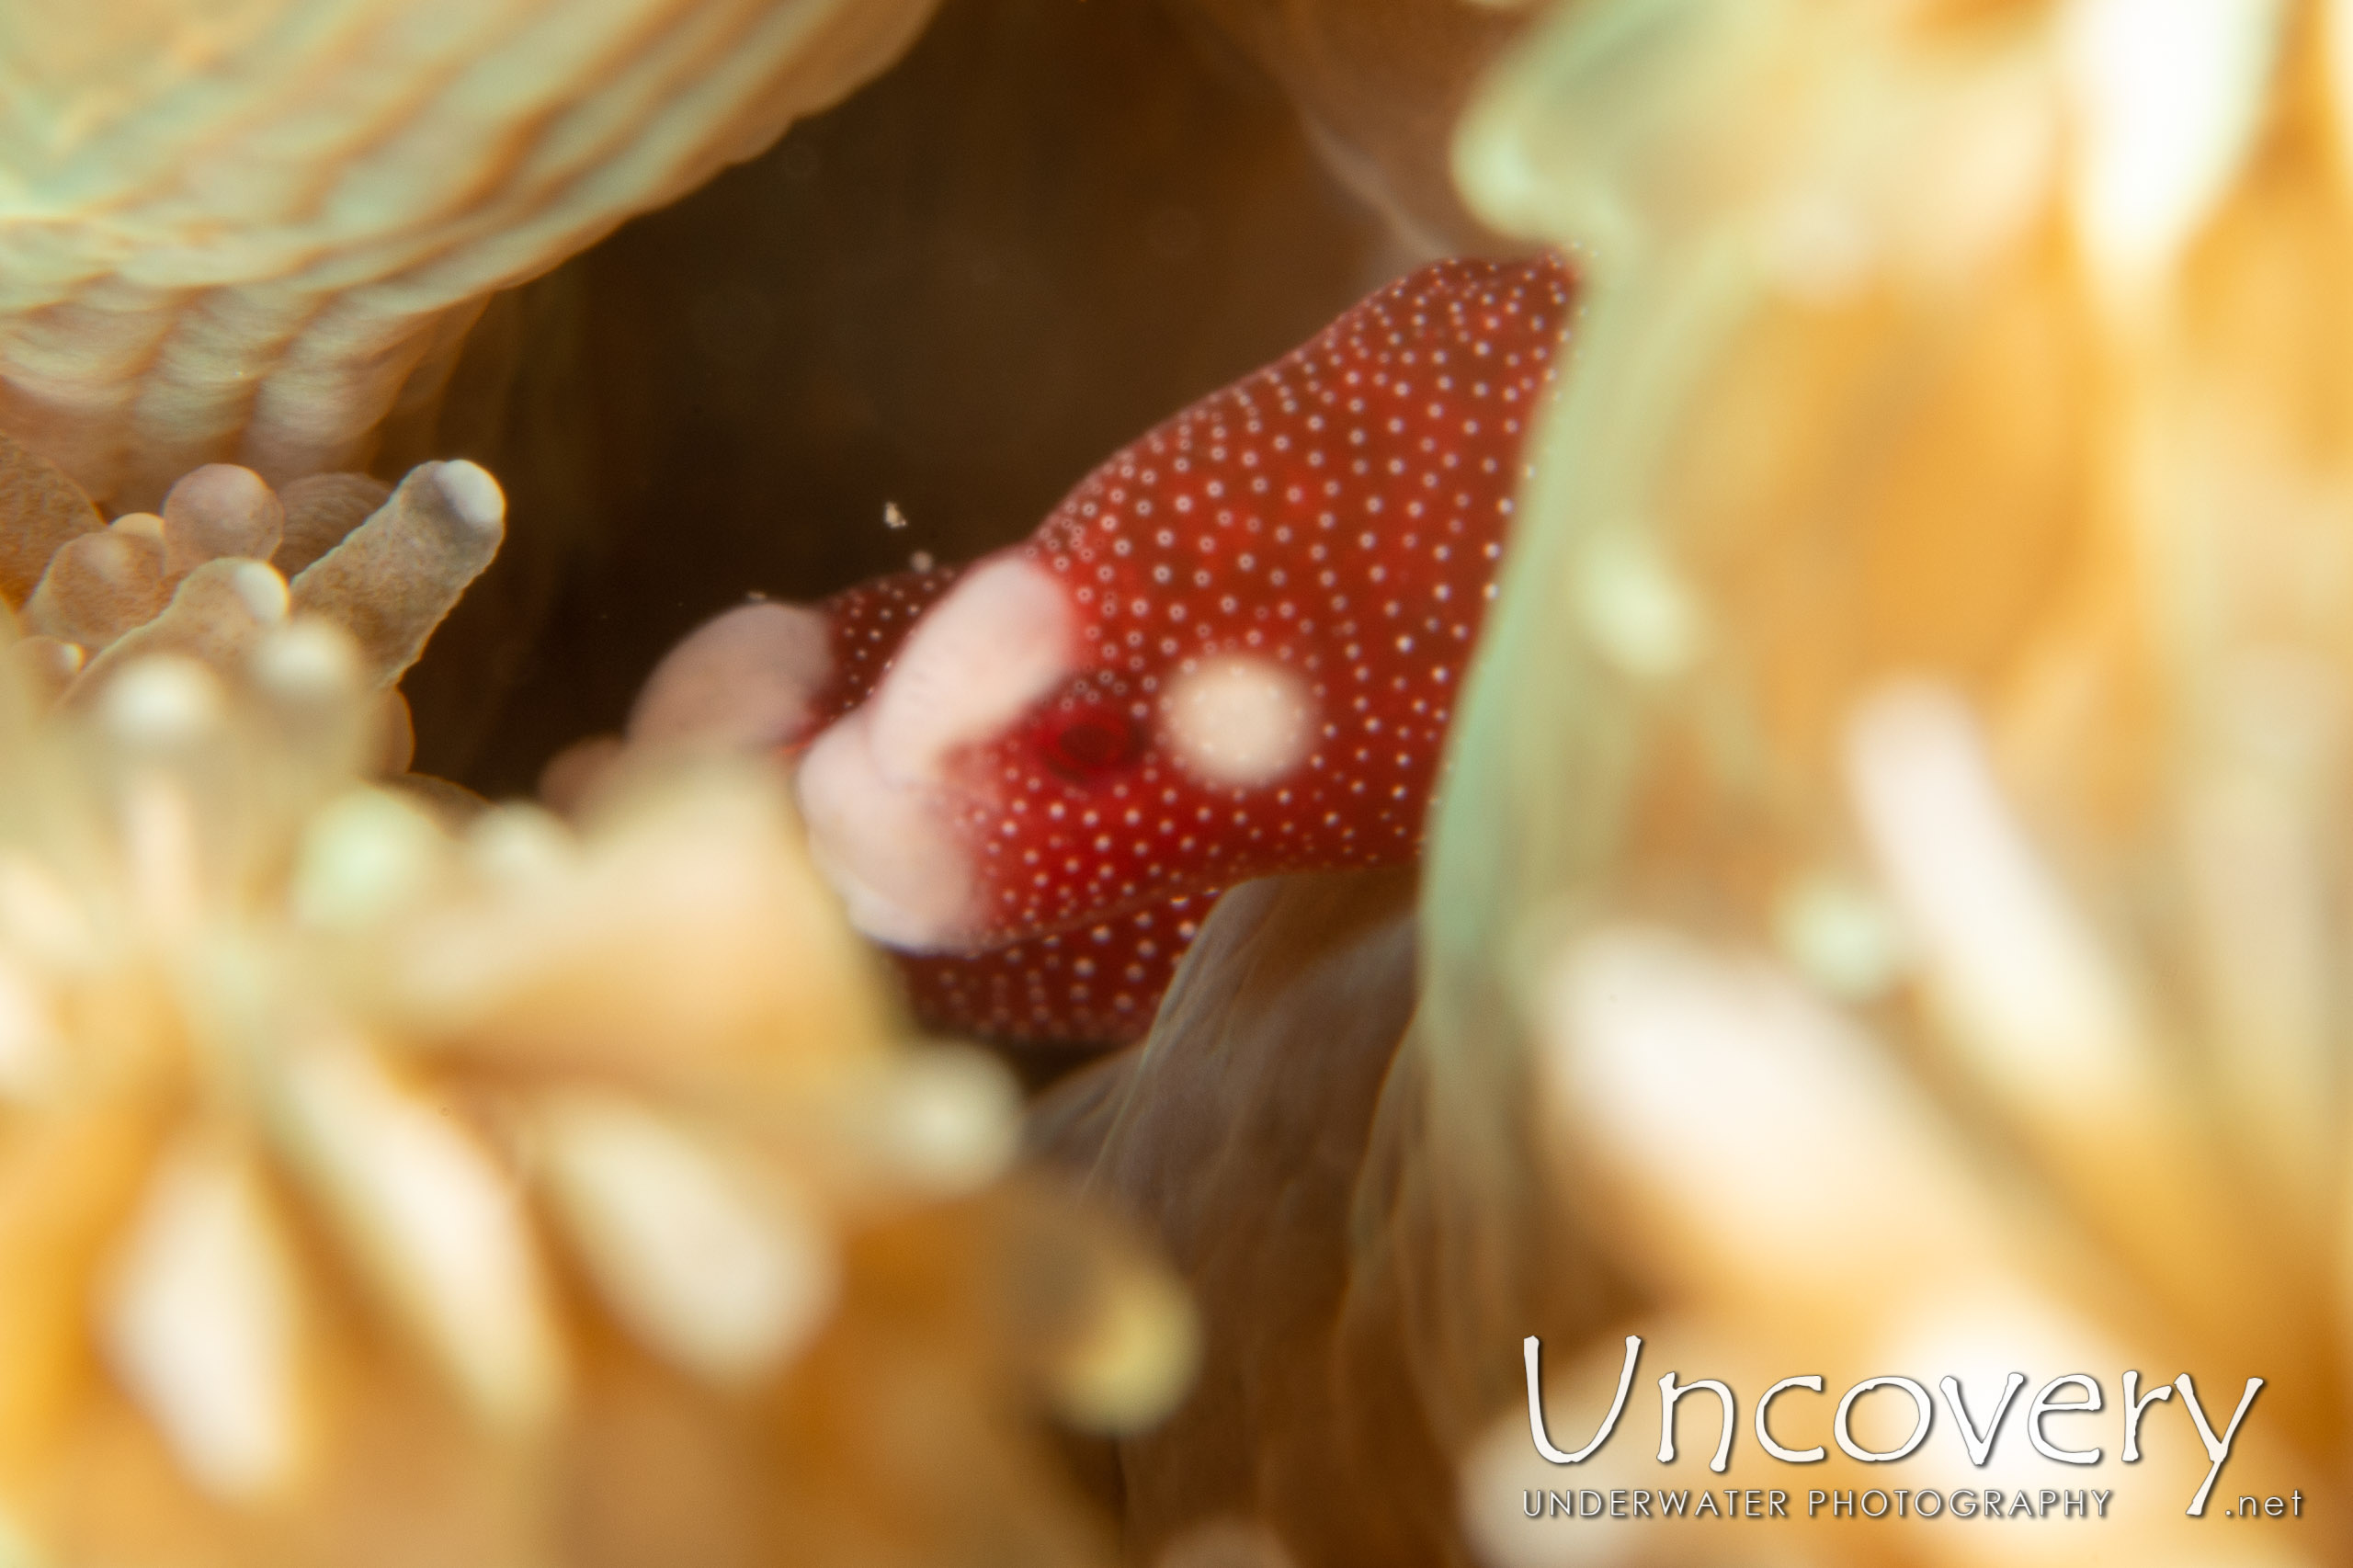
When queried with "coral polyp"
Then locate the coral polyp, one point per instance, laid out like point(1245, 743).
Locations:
point(356, 1155)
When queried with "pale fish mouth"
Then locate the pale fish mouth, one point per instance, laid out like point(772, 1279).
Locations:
point(885, 842)
point(875, 788)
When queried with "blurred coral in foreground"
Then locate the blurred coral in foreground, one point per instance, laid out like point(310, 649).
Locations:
point(383, 1181)
point(263, 232)
point(229, 557)
point(1919, 709)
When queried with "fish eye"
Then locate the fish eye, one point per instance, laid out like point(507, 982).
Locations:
point(1082, 742)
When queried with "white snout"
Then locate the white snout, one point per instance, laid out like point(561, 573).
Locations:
point(886, 843)
point(882, 812)
point(978, 660)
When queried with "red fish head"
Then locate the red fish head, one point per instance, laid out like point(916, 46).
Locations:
point(1232, 650)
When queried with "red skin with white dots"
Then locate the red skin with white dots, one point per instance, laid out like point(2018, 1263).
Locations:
point(1096, 985)
point(1097, 982)
point(865, 626)
point(1337, 518)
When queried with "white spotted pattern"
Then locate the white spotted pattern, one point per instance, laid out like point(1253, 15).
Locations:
point(1339, 515)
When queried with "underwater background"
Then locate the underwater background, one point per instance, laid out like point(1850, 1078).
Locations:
point(578, 566)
